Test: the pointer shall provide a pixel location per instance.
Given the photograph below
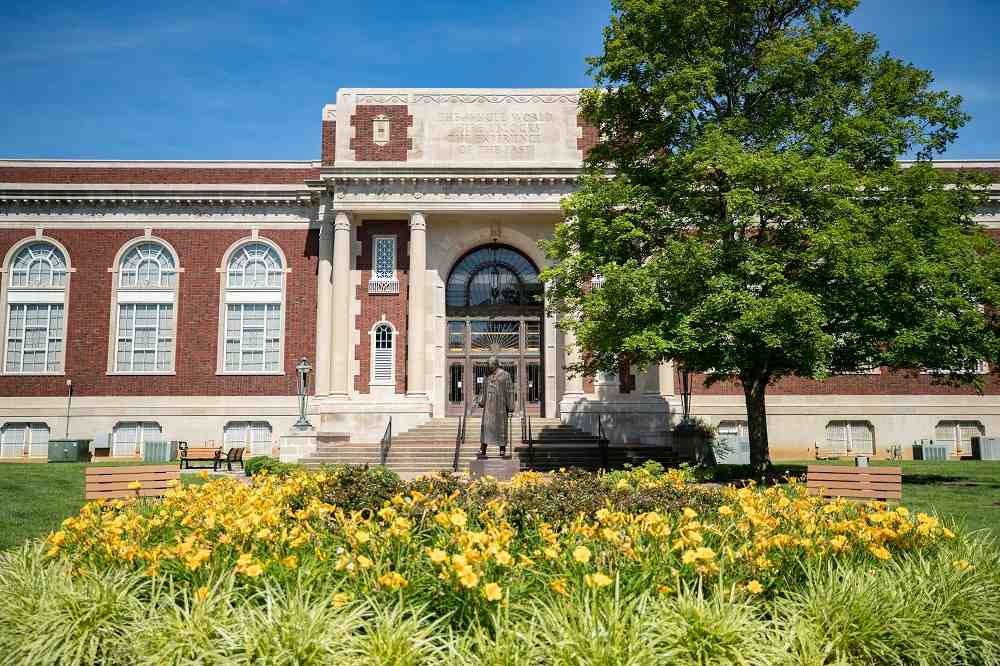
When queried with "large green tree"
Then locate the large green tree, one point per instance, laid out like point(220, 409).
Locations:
point(747, 211)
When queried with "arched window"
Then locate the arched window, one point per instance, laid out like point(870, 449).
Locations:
point(847, 437)
point(35, 297)
point(19, 440)
point(131, 437)
point(957, 435)
point(143, 309)
point(493, 276)
point(383, 370)
point(253, 320)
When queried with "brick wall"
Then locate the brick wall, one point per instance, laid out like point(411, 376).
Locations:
point(589, 136)
point(898, 383)
point(92, 252)
point(329, 142)
point(374, 306)
point(363, 144)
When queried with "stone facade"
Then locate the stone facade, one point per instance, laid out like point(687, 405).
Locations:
point(442, 172)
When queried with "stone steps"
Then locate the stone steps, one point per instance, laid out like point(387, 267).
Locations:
point(430, 447)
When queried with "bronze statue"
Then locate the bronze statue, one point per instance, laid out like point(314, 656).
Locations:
point(497, 401)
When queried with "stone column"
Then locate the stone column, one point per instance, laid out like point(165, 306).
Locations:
point(324, 309)
point(340, 343)
point(666, 371)
point(416, 368)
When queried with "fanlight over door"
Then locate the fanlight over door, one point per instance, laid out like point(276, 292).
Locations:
point(493, 278)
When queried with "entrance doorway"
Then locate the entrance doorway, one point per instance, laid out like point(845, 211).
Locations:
point(494, 308)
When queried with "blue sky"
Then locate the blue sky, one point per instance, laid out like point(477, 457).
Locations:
point(248, 80)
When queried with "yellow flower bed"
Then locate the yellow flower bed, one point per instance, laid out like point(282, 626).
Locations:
point(439, 549)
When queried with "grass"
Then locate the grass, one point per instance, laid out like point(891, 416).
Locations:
point(966, 491)
point(36, 497)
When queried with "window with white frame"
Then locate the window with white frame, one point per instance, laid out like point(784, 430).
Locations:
point(18, 440)
point(383, 355)
point(383, 280)
point(131, 436)
point(850, 437)
point(957, 435)
point(254, 436)
point(144, 324)
point(252, 328)
point(36, 305)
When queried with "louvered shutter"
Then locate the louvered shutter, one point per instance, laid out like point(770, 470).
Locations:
point(12, 440)
point(862, 438)
point(836, 437)
point(967, 431)
point(382, 355)
point(260, 438)
point(126, 439)
point(39, 439)
point(944, 434)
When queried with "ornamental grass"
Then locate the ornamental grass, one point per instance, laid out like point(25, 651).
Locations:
point(647, 567)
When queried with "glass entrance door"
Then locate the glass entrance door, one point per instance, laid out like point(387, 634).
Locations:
point(517, 344)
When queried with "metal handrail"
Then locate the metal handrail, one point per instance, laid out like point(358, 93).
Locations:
point(460, 435)
point(526, 437)
point(383, 447)
point(602, 440)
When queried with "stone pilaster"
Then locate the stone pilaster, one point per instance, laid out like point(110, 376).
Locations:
point(324, 309)
point(416, 367)
point(340, 330)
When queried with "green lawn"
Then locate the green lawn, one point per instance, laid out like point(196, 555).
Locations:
point(966, 491)
point(36, 497)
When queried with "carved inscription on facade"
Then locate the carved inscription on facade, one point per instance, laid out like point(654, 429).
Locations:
point(497, 135)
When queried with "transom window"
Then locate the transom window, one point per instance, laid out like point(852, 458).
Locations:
point(255, 266)
point(24, 439)
point(148, 266)
point(253, 323)
point(493, 276)
point(36, 305)
point(383, 355)
point(252, 435)
point(39, 265)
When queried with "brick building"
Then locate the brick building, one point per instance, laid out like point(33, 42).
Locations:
point(172, 300)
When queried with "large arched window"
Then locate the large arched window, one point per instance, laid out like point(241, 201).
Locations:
point(35, 309)
point(252, 316)
point(493, 276)
point(144, 307)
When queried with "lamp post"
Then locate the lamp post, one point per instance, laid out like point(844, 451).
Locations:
point(685, 394)
point(303, 368)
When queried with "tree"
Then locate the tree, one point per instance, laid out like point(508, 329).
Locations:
point(747, 211)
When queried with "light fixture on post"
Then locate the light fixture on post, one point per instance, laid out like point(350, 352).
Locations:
point(685, 395)
point(303, 369)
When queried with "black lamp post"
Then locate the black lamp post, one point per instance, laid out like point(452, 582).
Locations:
point(303, 368)
point(685, 395)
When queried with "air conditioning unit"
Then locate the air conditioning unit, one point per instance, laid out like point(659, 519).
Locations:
point(926, 449)
point(986, 448)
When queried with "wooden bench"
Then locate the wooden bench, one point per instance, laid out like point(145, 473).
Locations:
point(232, 456)
point(112, 482)
point(189, 454)
point(881, 483)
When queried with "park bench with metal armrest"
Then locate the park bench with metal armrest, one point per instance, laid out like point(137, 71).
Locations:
point(861, 483)
point(234, 455)
point(189, 454)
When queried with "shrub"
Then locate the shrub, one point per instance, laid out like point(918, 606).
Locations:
point(353, 488)
point(258, 464)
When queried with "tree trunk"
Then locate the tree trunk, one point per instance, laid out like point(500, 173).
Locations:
point(754, 390)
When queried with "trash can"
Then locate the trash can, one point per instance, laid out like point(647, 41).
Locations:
point(69, 450)
point(159, 452)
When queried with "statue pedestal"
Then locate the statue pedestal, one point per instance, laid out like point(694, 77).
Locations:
point(297, 444)
point(501, 469)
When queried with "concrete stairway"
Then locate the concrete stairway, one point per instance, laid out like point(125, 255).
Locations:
point(430, 447)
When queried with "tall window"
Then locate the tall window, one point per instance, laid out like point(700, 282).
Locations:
point(24, 439)
point(131, 436)
point(958, 435)
point(850, 437)
point(36, 307)
point(383, 280)
point(253, 319)
point(144, 322)
point(383, 355)
point(252, 435)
